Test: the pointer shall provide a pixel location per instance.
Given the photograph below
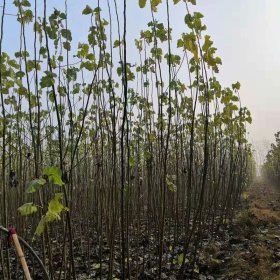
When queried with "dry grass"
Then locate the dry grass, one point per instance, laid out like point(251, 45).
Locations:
point(257, 263)
point(265, 215)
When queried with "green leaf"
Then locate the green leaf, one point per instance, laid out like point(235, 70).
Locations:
point(63, 16)
point(27, 16)
point(37, 27)
point(87, 65)
point(91, 57)
point(55, 205)
point(117, 43)
point(20, 74)
point(218, 60)
point(67, 46)
point(41, 226)
point(54, 175)
point(25, 3)
point(176, 1)
point(236, 86)
point(52, 96)
point(142, 3)
point(43, 51)
point(189, 20)
point(180, 43)
point(22, 54)
point(27, 209)
point(190, 44)
point(22, 91)
point(48, 79)
point(119, 71)
point(87, 10)
point(196, 270)
point(249, 119)
point(52, 216)
point(154, 4)
point(207, 44)
point(83, 50)
point(192, 1)
point(66, 33)
point(35, 185)
point(13, 63)
point(170, 185)
point(180, 259)
point(31, 64)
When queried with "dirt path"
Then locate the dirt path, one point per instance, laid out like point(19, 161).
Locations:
point(253, 249)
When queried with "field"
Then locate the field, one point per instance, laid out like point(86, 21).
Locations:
point(122, 155)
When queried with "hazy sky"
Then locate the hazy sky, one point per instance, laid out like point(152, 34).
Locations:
point(245, 32)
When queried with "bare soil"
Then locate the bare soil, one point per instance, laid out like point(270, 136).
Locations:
point(253, 250)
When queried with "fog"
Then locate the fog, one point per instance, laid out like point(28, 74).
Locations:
point(246, 34)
